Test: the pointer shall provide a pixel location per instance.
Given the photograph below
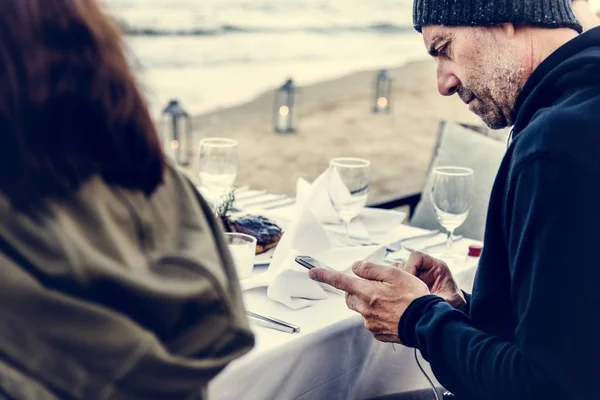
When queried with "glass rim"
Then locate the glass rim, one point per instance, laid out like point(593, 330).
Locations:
point(454, 171)
point(219, 142)
point(241, 235)
point(349, 162)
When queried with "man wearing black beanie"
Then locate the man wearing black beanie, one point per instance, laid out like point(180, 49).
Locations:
point(531, 329)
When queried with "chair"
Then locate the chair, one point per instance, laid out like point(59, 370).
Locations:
point(457, 145)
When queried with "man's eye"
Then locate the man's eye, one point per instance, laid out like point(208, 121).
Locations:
point(443, 51)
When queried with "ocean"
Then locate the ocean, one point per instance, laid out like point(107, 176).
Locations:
point(217, 53)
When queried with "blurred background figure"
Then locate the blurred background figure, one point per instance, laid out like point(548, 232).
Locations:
point(115, 281)
point(583, 10)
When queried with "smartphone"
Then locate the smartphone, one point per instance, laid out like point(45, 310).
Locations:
point(310, 263)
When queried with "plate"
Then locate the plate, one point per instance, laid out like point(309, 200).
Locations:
point(264, 258)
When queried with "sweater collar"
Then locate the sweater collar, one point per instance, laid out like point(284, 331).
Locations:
point(556, 74)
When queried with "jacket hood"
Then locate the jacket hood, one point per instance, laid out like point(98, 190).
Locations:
point(565, 71)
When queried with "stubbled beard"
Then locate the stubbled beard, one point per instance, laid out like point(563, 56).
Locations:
point(496, 82)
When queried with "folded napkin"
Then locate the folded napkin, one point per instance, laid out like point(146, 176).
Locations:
point(287, 282)
point(315, 197)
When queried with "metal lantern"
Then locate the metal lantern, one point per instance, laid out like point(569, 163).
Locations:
point(176, 132)
point(383, 92)
point(285, 113)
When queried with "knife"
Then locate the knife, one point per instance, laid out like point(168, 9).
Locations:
point(434, 245)
point(273, 323)
point(397, 245)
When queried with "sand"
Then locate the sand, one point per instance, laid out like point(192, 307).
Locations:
point(336, 120)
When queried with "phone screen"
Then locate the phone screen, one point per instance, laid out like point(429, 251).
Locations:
point(310, 263)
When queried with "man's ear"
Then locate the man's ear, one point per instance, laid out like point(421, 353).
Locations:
point(509, 30)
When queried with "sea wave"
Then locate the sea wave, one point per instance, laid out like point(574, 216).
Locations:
point(226, 29)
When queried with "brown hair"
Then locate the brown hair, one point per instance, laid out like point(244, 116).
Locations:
point(70, 107)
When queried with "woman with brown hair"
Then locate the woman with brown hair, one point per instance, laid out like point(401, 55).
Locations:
point(115, 282)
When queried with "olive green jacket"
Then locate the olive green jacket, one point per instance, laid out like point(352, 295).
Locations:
point(114, 295)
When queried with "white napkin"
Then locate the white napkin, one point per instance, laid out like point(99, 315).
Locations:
point(288, 282)
point(304, 235)
point(315, 197)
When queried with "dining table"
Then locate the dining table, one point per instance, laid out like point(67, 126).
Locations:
point(331, 356)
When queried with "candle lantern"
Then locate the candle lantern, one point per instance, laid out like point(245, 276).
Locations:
point(383, 92)
point(176, 133)
point(285, 108)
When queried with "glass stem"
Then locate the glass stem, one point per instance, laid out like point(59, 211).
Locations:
point(216, 198)
point(449, 241)
point(347, 229)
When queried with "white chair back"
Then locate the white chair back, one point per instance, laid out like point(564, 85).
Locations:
point(463, 147)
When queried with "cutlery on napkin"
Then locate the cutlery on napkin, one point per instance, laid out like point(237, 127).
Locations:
point(430, 246)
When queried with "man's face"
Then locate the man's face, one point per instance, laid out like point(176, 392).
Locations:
point(484, 66)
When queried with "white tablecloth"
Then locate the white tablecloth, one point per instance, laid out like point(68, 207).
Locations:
point(333, 357)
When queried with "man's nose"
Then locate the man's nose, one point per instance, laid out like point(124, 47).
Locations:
point(448, 83)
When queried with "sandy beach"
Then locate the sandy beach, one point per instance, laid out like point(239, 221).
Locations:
point(336, 120)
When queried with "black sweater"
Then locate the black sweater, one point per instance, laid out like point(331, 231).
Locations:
point(533, 326)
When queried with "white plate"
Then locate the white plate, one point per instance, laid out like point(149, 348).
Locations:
point(264, 258)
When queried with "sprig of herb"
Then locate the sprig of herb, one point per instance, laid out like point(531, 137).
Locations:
point(226, 205)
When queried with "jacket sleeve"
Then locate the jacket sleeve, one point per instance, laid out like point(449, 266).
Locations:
point(93, 324)
point(206, 328)
point(552, 244)
point(468, 300)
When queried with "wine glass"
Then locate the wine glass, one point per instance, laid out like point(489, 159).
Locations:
point(218, 167)
point(451, 196)
point(348, 188)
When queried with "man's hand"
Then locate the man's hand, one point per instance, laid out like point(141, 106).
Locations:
point(437, 276)
point(381, 297)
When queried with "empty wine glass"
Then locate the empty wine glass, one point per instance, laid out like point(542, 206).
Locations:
point(218, 167)
point(451, 196)
point(348, 188)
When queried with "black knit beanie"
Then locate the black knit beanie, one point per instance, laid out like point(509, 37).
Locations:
point(544, 13)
